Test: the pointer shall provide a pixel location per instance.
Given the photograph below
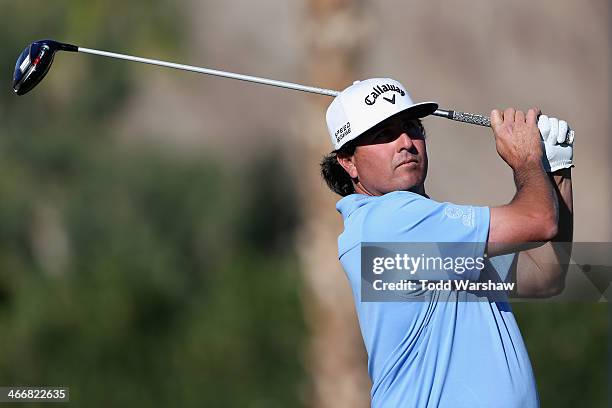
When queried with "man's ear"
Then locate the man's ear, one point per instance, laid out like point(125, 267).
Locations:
point(348, 164)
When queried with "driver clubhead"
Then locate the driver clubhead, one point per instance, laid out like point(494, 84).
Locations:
point(34, 63)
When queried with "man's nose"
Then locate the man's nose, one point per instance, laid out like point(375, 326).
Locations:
point(404, 141)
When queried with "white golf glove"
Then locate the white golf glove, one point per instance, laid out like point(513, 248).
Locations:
point(558, 143)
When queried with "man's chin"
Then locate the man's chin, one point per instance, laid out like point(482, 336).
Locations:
point(412, 182)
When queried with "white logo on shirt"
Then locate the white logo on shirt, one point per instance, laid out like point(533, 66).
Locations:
point(468, 218)
point(466, 215)
point(453, 212)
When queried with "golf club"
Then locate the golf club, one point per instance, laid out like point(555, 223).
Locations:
point(35, 61)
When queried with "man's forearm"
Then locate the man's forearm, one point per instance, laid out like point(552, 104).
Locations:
point(541, 271)
point(535, 198)
point(562, 183)
point(562, 242)
point(530, 217)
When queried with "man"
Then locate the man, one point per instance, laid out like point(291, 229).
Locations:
point(447, 352)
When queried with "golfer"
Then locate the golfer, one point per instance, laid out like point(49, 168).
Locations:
point(448, 352)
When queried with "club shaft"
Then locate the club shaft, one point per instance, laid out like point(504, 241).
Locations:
point(207, 71)
point(465, 117)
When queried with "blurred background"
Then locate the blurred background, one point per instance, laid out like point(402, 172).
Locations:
point(165, 238)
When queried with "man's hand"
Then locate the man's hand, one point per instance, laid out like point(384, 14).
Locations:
point(517, 137)
point(558, 143)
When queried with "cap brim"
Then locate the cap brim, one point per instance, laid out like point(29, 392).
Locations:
point(419, 110)
point(416, 111)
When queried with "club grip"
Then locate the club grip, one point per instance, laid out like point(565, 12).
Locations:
point(480, 120)
point(471, 118)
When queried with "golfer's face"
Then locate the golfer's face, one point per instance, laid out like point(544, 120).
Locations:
point(392, 157)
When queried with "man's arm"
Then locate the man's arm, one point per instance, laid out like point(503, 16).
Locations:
point(540, 272)
point(532, 214)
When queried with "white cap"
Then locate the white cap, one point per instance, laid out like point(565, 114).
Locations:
point(365, 104)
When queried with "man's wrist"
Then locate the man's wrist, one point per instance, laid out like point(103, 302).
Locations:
point(560, 176)
point(529, 166)
point(565, 172)
point(562, 173)
point(526, 171)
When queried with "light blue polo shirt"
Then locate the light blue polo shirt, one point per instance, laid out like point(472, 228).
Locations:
point(443, 352)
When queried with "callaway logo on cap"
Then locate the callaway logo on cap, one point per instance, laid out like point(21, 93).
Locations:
point(365, 104)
